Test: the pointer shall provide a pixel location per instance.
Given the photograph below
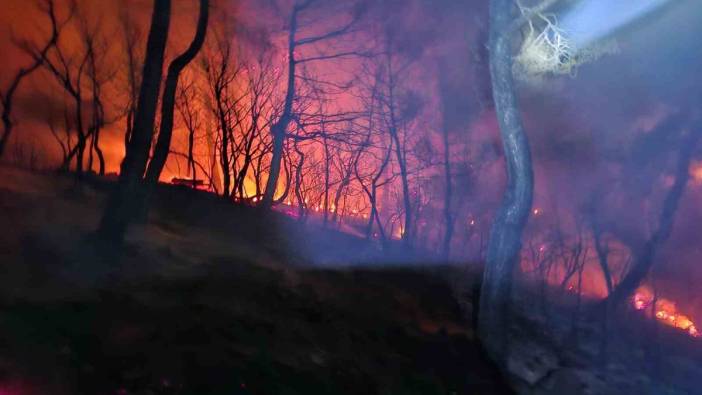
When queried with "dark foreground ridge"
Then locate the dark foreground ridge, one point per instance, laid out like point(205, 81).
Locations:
point(194, 309)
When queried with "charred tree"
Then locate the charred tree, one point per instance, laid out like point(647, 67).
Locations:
point(69, 70)
point(400, 156)
point(191, 119)
point(279, 129)
point(72, 83)
point(327, 171)
point(221, 72)
point(602, 250)
point(448, 195)
point(262, 80)
point(95, 50)
point(7, 96)
point(123, 203)
point(506, 233)
point(165, 134)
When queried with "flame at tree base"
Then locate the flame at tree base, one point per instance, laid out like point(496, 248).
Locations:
point(664, 310)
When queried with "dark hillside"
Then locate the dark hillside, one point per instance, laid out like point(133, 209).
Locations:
point(206, 302)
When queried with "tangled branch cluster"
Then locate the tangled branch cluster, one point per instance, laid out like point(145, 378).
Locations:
point(546, 48)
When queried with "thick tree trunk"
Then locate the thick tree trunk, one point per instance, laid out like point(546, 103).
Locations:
point(506, 233)
point(279, 129)
point(165, 135)
point(123, 202)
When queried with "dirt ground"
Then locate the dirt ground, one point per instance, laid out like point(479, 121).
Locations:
point(208, 298)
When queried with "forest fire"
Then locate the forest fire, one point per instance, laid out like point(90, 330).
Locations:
point(226, 150)
point(665, 310)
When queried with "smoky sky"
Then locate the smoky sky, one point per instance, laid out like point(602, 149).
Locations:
point(609, 131)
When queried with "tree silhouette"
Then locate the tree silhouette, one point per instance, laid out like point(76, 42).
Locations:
point(38, 55)
point(123, 202)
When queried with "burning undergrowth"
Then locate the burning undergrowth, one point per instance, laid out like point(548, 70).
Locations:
point(664, 310)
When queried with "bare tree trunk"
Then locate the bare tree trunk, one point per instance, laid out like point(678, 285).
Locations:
point(123, 202)
point(302, 205)
point(98, 111)
point(248, 155)
point(448, 193)
point(129, 128)
point(373, 213)
point(327, 164)
point(131, 38)
point(191, 157)
point(407, 233)
point(506, 233)
point(602, 257)
point(224, 160)
point(343, 186)
point(95, 143)
point(163, 143)
point(279, 129)
point(287, 167)
point(82, 137)
point(7, 97)
point(7, 101)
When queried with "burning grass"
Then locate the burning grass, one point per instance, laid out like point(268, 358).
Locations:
point(664, 310)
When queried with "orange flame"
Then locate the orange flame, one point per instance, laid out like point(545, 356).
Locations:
point(665, 311)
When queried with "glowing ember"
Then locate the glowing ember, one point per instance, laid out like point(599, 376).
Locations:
point(536, 211)
point(696, 171)
point(665, 311)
